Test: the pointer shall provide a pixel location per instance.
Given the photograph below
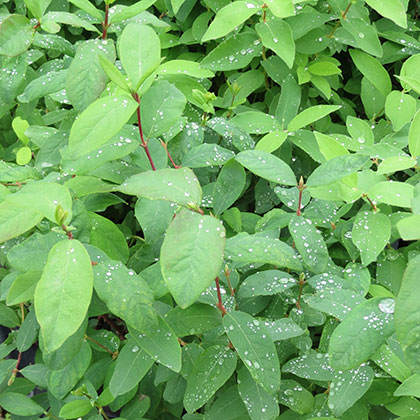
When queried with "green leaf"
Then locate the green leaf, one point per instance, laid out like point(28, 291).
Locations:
point(191, 255)
point(154, 217)
point(28, 332)
point(312, 366)
point(34, 249)
point(390, 9)
point(207, 155)
point(295, 396)
point(255, 347)
point(360, 131)
point(348, 387)
point(259, 403)
point(75, 409)
point(23, 287)
point(161, 106)
point(62, 381)
point(132, 365)
point(98, 123)
point(411, 387)
point(113, 73)
point(373, 70)
point(139, 48)
point(86, 79)
point(323, 68)
point(281, 8)
point(336, 169)
point(400, 109)
point(190, 68)
point(229, 17)
point(371, 232)
point(388, 361)
point(23, 155)
point(88, 7)
point(334, 301)
point(266, 283)
point(255, 122)
point(407, 314)
point(210, 371)
point(196, 319)
point(277, 36)
point(107, 236)
point(414, 136)
point(126, 295)
point(175, 185)
point(271, 141)
point(131, 11)
point(361, 333)
point(409, 228)
point(56, 17)
point(42, 86)
point(162, 345)
point(267, 166)
point(19, 404)
point(234, 53)
point(392, 192)
point(8, 316)
point(283, 329)
point(16, 35)
point(395, 164)
point(310, 243)
point(37, 7)
point(63, 294)
point(252, 249)
point(229, 186)
point(310, 115)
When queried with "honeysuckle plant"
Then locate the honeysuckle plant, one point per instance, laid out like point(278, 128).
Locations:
point(209, 209)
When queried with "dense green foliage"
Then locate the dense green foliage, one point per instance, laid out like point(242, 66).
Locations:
point(210, 209)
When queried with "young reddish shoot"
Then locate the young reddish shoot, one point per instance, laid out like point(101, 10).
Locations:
point(301, 186)
point(105, 24)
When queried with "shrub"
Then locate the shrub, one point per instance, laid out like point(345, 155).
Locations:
point(209, 210)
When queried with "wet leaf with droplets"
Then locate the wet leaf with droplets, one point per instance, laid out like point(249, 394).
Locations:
point(249, 249)
point(126, 295)
point(407, 314)
point(371, 232)
point(162, 344)
point(176, 185)
point(191, 255)
point(259, 403)
point(63, 293)
point(255, 347)
point(360, 334)
point(310, 243)
point(267, 166)
point(293, 395)
point(131, 366)
point(347, 387)
point(266, 283)
point(312, 366)
point(210, 371)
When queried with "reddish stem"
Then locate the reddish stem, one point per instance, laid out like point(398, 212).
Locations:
point(100, 345)
point(105, 24)
point(143, 142)
point(298, 212)
point(219, 297)
point(15, 370)
point(68, 232)
point(165, 146)
point(371, 203)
